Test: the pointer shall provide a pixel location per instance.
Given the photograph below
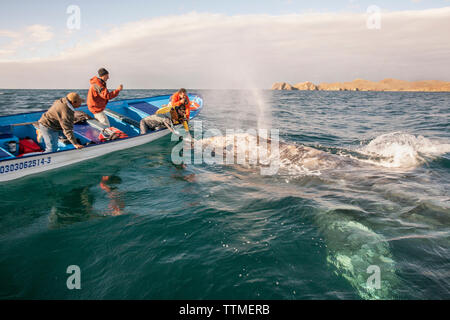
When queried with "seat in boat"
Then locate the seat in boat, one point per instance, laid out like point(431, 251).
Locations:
point(143, 106)
point(87, 131)
point(5, 154)
point(121, 117)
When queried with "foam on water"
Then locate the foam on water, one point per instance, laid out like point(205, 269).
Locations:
point(402, 150)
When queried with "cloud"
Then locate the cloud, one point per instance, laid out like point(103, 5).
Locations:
point(8, 34)
point(23, 39)
point(39, 33)
point(204, 50)
point(11, 46)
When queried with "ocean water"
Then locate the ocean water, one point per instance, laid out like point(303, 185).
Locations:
point(369, 201)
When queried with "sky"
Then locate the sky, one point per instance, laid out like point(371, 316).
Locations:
point(221, 44)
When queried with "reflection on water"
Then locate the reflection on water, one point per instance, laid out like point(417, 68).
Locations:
point(74, 206)
point(110, 185)
point(180, 173)
point(77, 205)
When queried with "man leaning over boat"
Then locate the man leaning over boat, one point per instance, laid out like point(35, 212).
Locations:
point(98, 96)
point(60, 117)
point(176, 112)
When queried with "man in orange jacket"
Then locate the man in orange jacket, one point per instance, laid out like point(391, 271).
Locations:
point(98, 96)
point(180, 102)
point(179, 113)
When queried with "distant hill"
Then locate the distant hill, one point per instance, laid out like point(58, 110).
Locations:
point(366, 85)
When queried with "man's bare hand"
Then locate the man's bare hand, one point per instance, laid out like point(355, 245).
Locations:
point(78, 146)
point(120, 88)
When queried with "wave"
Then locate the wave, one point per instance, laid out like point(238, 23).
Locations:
point(402, 150)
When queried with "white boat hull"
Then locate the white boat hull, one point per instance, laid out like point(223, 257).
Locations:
point(28, 165)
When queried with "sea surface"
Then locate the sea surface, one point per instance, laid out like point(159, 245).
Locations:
point(365, 214)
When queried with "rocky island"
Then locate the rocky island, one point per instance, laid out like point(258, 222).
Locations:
point(366, 85)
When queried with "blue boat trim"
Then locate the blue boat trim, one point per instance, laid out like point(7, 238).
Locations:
point(117, 103)
point(144, 107)
point(5, 155)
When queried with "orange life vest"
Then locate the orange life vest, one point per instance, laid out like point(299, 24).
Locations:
point(111, 133)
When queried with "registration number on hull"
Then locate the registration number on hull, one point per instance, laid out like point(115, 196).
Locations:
point(25, 165)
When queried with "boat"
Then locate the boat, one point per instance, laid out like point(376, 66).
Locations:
point(122, 114)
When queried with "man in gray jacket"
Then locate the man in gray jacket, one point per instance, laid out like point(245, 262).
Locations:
point(58, 118)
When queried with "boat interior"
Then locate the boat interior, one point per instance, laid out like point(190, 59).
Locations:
point(124, 115)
